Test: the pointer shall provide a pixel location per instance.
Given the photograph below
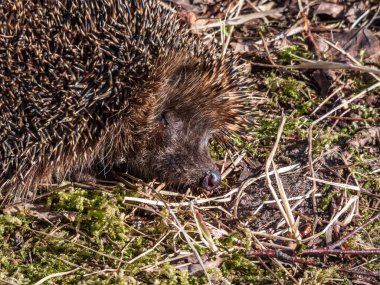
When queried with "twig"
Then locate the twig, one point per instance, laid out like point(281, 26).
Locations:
point(323, 251)
point(358, 229)
point(346, 186)
point(320, 64)
point(352, 200)
point(353, 119)
point(365, 91)
point(58, 274)
point(219, 199)
point(278, 280)
point(312, 173)
point(326, 100)
point(362, 273)
point(233, 165)
point(359, 19)
point(315, 251)
point(266, 48)
point(239, 20)
point(239, 7)
point(182, 230)
point(346, 54)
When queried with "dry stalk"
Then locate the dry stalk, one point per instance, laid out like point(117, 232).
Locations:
point(250, 181)
point(226, 44)
point(233, 165)
point(358, 229)
point(150, 249)
point(58, 274)
point(189, 242)
point(239, 20)
point(346, 186)
point(326, 100)
point(352, 200)
point(365, 91)
point(284, 206)
point(342, 51)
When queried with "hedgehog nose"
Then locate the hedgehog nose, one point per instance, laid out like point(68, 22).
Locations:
point(211, 180)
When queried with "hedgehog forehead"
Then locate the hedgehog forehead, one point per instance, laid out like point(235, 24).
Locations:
point(191, 95)
point(209, 93)
point(189, 85)
point(192, 117)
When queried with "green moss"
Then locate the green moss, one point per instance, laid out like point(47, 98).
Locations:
point(217, 152)
point(238, 268)
point(362, 170)
point(9, 223)
point(169, 275)
point(317, 276)
point(290, 94)
point(328, 138)
point(365, 111)
point(96, 236)
point(326, 201)
point(241, 239)
point(266, 130)
point(97, 213)
point(287, 55)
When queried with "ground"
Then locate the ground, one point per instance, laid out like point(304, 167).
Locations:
point(301, 186)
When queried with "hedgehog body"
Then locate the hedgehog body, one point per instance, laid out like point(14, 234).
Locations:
point(86, 85)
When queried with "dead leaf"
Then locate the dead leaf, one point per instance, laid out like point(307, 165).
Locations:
point(324, 79)
point(331, 9)
point(362, 44)
point(195, 268)
point(355, 11)
point(363, 138)
point(187, 6)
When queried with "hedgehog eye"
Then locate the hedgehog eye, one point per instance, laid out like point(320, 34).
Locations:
point(164, 119)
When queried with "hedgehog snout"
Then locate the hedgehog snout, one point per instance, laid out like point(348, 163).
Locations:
point(211, 180)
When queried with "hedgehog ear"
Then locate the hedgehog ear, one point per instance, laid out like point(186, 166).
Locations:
point(180, 72)
point(167, 118)
point(164, 119)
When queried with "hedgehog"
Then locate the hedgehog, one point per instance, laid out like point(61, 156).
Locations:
point(87, 85)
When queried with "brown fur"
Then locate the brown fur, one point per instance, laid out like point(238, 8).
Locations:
point(130, 86)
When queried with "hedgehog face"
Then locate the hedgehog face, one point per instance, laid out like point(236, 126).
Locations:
point(176, 152)
point(184, 157)
point(189, 103)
